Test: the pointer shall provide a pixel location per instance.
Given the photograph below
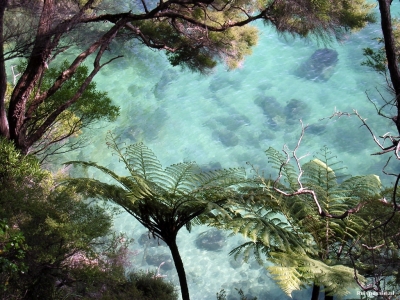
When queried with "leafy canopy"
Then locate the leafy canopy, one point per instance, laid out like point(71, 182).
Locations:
point(194, 34)
point(93, 107)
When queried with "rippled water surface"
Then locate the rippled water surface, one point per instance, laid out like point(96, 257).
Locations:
point(221, 120)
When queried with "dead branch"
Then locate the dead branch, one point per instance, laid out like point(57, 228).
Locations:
point(304, 190)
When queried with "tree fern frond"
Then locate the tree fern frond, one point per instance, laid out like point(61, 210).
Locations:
point(181, 177)
point(288, 278)
point(134, 184)
point(264, 228)
point(221, 178)
point(118, 148)
point(244, 250)
point(317, 174)
point(291, 270)
point(366, 185)
point(96, 189)
point(144, 162)
point(278, 162)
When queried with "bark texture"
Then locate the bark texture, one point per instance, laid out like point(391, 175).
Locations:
point(392, 60)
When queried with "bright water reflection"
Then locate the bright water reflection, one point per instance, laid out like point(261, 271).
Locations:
point(218, 120)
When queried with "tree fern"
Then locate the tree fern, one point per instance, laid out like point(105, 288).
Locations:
point(331, 238)
point(306, 248)
point(336, 198)
point(162, 200)
point(294, 271)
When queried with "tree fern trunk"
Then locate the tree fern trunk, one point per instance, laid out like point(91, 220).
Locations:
point(180, 269)
point(327, 297)
point(315, 292)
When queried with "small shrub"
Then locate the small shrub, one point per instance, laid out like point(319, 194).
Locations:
point(142, 286)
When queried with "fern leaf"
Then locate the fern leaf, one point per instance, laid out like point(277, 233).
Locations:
point(144, 162)
point(135, 185)
point(181, 177)
point(221, 178)
point(292, 270)
point(278, 162)
point(287, 278)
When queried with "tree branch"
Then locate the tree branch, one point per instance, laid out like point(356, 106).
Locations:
point(302, 190)
point(103, 44)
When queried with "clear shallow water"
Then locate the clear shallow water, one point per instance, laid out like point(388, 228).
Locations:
point(184, 116)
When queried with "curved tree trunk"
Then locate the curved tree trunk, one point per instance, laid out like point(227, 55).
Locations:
point(41, 51)
point(180, 269)
point(390, 48)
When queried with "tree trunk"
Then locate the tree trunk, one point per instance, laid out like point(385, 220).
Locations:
point(36, 65)
point(3, 76)
point(315, 291)
point(327, 297)
point(47, 38)
point(390, 48)
point(180, 269)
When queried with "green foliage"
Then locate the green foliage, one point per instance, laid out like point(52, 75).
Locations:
point(19, 175)
point(43, 229)
point(93, 106)
point(199, 40)
point(162, 200)
point(329, 238)
point(318, 17)
point(294, 271)
point(16, 166)
point(229, 46)
point(257, 218)
point(380, 241)
point(156, 196)
point(376, 58)
point(289, 232)
point(140, 286)
point(12, 252)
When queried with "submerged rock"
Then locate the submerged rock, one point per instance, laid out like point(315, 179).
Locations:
point(234, 121)
point(320, 66)
point(166, 79)
point(264, 86)
point(154, 123)
point(148, 240)
point(224, 80)
point(295, 110)
point(212, 240)
point(226, 137)
point(271, 108)
point(269, 105)
point(266, 134)
point(316, 129)
point(157, 259)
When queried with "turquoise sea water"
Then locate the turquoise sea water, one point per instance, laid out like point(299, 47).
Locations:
point(215, 121)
